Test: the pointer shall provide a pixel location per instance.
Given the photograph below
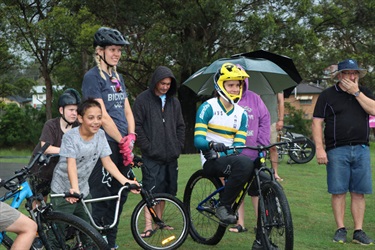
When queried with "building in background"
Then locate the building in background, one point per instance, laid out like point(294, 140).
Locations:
point(304, 97)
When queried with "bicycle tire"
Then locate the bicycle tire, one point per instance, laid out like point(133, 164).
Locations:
point(174, 215)
point(205, 227)
point(276, 220)
point(67, 231)
point(302, 152)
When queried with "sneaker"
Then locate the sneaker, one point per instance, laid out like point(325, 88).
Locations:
point(340, 235)
point(222, 212)
point(360, 237)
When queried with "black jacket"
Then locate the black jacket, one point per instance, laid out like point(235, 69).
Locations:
point(161, 134)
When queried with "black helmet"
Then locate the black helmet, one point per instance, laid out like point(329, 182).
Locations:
point(107, 36)
point(69, 97)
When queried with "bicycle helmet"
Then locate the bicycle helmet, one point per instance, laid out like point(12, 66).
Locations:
point(69, 97)
point(229, 71)
point(107, 36)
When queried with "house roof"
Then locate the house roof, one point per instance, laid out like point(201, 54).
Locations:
point(308, 88)
point(19, 99)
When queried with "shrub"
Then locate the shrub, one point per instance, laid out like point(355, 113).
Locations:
point(20, 126)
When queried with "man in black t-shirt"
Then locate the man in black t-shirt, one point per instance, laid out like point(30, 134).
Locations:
point(344, 109)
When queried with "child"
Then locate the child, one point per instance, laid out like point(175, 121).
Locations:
point(80, 150)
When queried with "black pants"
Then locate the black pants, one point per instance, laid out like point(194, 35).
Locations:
point(103, 184)
point(236, 168)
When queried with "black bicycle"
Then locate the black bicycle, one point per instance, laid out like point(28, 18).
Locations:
point(301, 151)
point(169, 231)
point(201, 198)
point(56, 230)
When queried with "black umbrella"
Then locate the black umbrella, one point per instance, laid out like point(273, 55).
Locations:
point(284, 62)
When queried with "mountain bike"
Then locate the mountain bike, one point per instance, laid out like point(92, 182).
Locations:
point(202, 196)
point(302, 151)
point(169, 231)
point(55, 230)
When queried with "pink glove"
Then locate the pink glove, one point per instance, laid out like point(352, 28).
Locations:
point(126, 146)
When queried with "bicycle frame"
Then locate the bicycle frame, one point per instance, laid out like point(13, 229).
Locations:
point(22, 191)
point(146, 196)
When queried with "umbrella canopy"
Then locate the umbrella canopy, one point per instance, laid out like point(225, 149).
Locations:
point(265, 76)
point(284, 62)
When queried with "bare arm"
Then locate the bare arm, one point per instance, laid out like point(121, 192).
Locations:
point(280, 107)
point(51, 149)
point(73, 178)
point(129, 117)
point(317, 131)
point(352, 87)
point(108, 124)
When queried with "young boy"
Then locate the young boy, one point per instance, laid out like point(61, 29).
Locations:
point(81, 148)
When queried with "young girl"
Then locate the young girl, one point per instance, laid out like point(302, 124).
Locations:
point(81, 148)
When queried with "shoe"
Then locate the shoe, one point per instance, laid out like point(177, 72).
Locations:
point(360, 237)
point(340, 235)
point(148, 233)
point(222, 212)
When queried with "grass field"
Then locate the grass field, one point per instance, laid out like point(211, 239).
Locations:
point(306, 190)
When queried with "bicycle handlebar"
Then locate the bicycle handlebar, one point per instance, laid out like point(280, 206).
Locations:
point(260, 148)
point(20, 174)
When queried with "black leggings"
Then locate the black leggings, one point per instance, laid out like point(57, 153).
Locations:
point(103, 184)
point(236, 168)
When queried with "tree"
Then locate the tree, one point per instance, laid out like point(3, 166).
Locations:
point(46, 29)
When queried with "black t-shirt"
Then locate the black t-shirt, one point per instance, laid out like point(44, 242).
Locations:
point(346, 122)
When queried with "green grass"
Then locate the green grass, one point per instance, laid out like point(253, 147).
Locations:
point(306, 190)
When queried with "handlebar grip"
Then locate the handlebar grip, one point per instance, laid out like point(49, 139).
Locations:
point(74, 195)
point(132, 186)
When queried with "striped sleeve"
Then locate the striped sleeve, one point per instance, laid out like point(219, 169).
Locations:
point(204, 114)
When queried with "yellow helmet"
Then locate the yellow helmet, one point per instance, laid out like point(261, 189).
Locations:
point(229, 71)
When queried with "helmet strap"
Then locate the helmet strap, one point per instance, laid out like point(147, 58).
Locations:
point(63, 117)
point(109, 65)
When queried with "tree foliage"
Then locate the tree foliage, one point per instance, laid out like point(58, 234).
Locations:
point(188, 35)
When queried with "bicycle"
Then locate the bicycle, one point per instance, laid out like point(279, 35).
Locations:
point(55, 229)
point(169, 232)
point(201, 197)
point(301, 151)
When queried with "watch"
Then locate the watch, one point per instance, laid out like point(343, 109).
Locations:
point(357, 93)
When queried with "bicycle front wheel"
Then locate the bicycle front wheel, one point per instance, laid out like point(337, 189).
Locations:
point(170, 232)
point(65, 231)
point(276, 220)
point(205, 227)
point(302, 152)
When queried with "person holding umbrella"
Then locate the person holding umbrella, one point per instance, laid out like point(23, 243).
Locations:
point(221, 122)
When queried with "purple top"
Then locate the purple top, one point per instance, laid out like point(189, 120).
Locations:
point(259, 121)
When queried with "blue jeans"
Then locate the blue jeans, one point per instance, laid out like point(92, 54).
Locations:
point(349, 169)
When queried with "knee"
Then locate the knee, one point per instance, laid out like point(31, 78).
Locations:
point(31, 226)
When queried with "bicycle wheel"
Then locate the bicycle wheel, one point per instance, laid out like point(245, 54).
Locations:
point(65, 231)
point(171, 233)
point(276, 221)
point(302, 152)
point(205, 227)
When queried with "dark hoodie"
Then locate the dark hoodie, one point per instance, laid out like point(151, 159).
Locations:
point(161, 134)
